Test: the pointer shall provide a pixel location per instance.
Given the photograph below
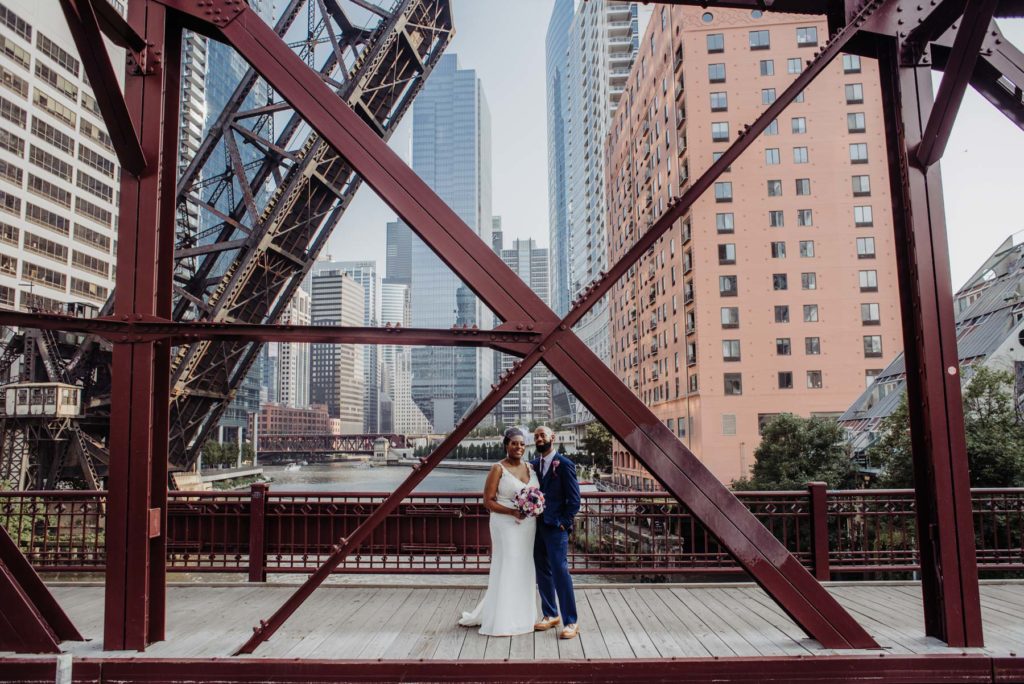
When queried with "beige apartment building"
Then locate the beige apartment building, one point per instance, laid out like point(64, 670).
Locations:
point(778, 292)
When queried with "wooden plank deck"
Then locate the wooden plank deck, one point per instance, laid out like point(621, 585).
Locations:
point(618, 621)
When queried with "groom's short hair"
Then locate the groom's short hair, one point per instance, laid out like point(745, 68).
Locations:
point(546, 430)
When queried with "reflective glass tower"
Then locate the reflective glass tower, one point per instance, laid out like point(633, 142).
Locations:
point(451, 151)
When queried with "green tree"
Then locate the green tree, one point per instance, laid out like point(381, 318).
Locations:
point(994, 432)
point(597, 445)
point(794, 451)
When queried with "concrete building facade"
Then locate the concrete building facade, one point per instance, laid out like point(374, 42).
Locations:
point(293, 358)
point(399, 413)
point(778, 291)
point(336, 376)
point(59, 175)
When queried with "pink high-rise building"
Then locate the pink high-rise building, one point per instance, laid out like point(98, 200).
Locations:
point(778, 292)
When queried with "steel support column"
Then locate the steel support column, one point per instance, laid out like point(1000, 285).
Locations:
point(135, 588)
point(949, 572)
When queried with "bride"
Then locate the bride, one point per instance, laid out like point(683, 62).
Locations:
point(510, 606)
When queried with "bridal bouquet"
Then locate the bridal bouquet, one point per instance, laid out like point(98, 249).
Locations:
point(530, 501)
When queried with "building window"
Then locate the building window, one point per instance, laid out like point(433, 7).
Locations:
point(812, 346)
point(13, 82)
point(810, 313)
point(869, 376)
point(54, 52)
point(771, 156)
point(727, 253)
point(716, 73)
point(725, 223)
point(720, 131)
point(803, 186)
point(775, 188)
point(808, 281)
point(11, 173)
point(872, 346)
point(798, 124)
point(730, 350)
point(807, 249)
point(719, 101)
point(851, 64)
point(723, 191)
point(866, 248)
point(870, 314)
point(807, 36)
point(794, 65)
point(855, 122)
point(727, 286)
point(733, 386)
point(13, 113)
point(859, 153)
point(785, 379)
point(716, 42)
point(854, 93)
point(799, 155)
point(804, 217)
point(861, 186)
point(868, 281)
point(760, 40)
point(782, 346)
point(715, 156)
point(814, 379)
point(780, 281)
point(778, 250)
point(800, 97)
point(16, 24)
point(776, 219)
point(51, 135)
point(767, 67)
point(692, 383)
point(767, 96)
point(773, 128)
point(781, 313)
point(730, 316)
point(11, 143)
point(862, 216)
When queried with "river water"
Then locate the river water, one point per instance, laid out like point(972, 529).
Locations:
point(360, 477)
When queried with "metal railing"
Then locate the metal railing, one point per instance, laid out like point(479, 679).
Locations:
point(260, 531)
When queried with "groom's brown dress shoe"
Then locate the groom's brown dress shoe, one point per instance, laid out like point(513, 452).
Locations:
point(546, 623)
point(570, 632)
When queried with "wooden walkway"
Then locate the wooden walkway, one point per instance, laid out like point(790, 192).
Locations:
point(618, 621)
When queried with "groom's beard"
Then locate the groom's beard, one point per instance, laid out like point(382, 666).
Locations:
point(543, 448)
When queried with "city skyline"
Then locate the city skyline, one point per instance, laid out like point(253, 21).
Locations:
point(981, 160)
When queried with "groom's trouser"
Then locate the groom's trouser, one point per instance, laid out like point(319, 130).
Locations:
point(551, 557)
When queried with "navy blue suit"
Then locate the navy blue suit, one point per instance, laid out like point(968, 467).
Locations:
point(551, 547)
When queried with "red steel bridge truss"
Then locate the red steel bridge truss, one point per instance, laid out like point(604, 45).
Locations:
point(908, 38)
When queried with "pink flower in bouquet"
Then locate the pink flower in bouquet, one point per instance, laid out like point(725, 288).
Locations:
point(530, 501)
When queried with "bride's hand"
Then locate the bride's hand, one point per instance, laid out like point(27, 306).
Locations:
point(519, 516)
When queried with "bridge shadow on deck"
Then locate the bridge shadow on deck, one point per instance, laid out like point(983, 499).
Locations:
point(625, 629)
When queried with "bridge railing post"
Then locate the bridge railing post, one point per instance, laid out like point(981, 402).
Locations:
point(818, 495)
point(257, 532)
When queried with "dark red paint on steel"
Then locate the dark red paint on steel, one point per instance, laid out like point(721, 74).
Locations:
point(950, 594)
point(912, 669)
point(949, 571)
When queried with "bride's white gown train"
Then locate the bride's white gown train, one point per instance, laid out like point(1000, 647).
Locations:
point(510, 604)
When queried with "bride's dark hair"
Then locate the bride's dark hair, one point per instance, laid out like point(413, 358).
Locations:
point(512, 433)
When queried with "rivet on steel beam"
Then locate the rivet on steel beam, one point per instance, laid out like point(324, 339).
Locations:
point(562, 327)
point(951, 370)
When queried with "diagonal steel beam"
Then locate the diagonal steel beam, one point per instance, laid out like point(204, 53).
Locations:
point(481, 269)
point(85, 30)
point(959, 69)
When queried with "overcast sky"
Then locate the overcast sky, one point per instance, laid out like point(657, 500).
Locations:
point(504, 42)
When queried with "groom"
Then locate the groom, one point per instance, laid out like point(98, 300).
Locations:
point(551, 547)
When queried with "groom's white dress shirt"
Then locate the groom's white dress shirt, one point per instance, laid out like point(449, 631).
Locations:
point(545, 463)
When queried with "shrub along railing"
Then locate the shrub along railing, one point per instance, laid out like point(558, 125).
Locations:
point(259, 531)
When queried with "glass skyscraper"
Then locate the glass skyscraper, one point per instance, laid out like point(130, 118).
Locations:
point(589, 56)
point(451, 151)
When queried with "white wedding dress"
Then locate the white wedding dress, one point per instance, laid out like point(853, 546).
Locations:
point(510, 604)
